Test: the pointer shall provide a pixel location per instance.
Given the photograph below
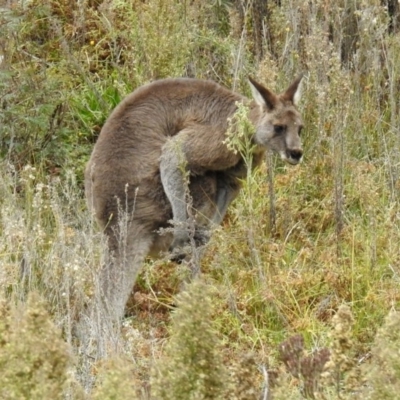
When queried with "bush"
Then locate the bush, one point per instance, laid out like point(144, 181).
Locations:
point(34, 358)
point(192, 366)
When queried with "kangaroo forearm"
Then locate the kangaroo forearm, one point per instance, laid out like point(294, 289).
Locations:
point(225, 195)
point(173, 180)
point(223, 200)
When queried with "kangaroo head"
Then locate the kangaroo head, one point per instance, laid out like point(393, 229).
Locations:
point(277, 120)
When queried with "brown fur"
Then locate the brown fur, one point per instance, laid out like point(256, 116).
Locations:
point(123, 173)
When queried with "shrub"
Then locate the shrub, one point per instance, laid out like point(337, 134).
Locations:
point(34, 359)
point(192, 367)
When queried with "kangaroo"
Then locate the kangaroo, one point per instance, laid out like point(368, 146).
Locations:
point(163, 140)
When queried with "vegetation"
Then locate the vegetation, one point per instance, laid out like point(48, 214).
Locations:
point(299, 293)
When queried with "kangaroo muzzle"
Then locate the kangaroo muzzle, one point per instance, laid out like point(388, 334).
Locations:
point(292, 156)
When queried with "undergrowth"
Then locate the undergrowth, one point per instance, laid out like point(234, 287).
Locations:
point(299, 296)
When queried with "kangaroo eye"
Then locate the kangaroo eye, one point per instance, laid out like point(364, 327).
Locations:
point(300, 129)
point(279, 129)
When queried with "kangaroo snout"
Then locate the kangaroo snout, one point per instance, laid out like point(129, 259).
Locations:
point(293, 156)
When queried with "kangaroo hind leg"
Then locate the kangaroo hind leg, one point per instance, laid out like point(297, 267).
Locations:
point(118, 276)
point(100, 323)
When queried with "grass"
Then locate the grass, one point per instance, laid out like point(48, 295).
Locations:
point(311, 250)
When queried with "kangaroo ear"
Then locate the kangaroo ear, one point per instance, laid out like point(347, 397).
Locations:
point(262, 96)
point(293, 92)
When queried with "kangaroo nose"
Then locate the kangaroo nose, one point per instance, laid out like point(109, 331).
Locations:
point(295, 154)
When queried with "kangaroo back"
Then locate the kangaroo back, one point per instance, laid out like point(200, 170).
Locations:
point(125, 160)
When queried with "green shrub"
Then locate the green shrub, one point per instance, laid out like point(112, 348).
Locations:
point(34, 359)
point(382, 372)
point(192, 367)
point(114, 381)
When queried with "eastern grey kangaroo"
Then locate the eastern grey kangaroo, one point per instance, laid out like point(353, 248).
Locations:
point(165, 139)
